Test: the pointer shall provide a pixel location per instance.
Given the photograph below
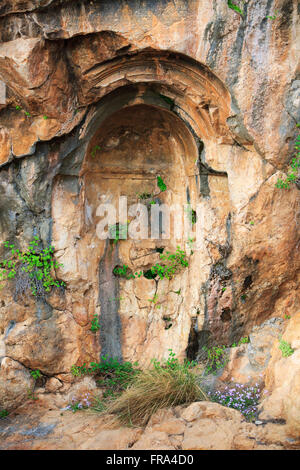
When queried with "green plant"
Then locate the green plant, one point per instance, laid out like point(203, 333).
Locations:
point(76, 371)
point(94, 150)
point(98, 405)
point(167, 384)
point(31, 269)
point(168, 100)
point(124, 271)
point(84, 403)
point(160, 183)
point(244, 340)
point(110, 372)
point(295, 166)
point(241, 397)
point(285, 348)
point(31, 395)
point(272, 17)
point(174, 262)
point(3, 413)
point(27, 113)
point(217, 358)
point(36, 374)
point(191, 213)
point(18, 107)
point(190, 243)
point(95, 323)
point(45, 117)
point(167, 318)
point(178, 292)
point(116, 298)
point(118, 232)
point(154, 300)
point(235, 7)
point(287, 317)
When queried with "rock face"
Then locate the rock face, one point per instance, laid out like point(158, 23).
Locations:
point(103, 97)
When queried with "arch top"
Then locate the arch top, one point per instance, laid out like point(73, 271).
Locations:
point(166, 79)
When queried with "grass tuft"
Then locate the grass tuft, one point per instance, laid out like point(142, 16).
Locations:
point(163, 386)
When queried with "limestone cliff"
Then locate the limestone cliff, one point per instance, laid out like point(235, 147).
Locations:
point(101, 97)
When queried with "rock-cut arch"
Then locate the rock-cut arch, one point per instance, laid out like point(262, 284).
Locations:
point(170, 108)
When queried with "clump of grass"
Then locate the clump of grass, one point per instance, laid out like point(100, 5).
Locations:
point(165, 385)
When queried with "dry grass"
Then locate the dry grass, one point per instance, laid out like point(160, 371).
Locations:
point(153, 389)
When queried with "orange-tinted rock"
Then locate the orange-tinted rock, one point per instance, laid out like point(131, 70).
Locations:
point(103, 97)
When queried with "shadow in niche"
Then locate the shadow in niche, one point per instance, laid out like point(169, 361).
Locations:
point(109, 299)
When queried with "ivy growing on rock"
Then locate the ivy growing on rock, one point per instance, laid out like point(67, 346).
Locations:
point(235, 7)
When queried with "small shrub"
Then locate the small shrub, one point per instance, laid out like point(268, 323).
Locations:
point(243, 340)
point(124, 271)
point(165, 385)
point(95, 323)
point(160, 183)
point(94, 150)
point(285, 348)
point(3, 413)
point(145, 196)
point(118, 232)
point(241, 397)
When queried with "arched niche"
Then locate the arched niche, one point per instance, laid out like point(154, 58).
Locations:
point(156, 114)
